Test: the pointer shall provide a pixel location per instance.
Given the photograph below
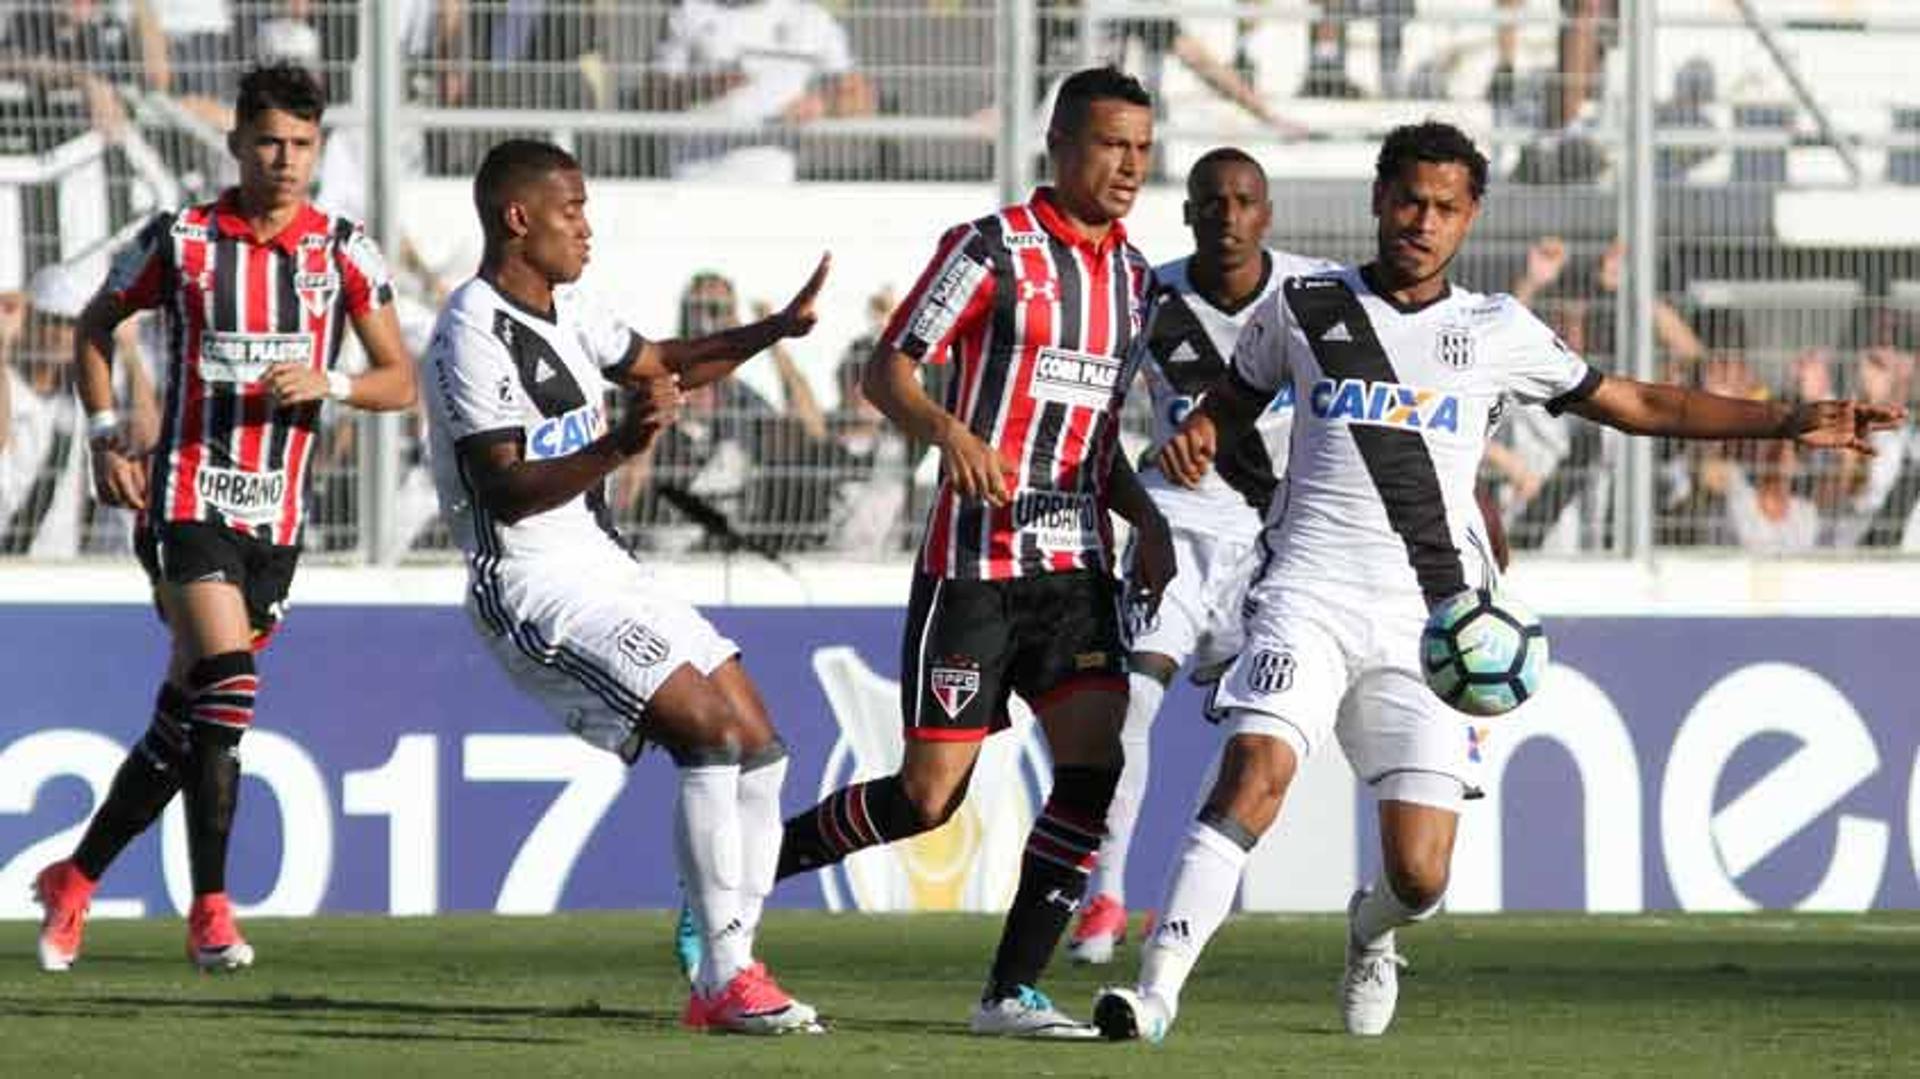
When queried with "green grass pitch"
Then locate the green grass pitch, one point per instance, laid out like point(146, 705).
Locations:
point(597, 994)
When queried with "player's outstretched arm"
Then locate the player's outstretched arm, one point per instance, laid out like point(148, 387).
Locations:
point(1226, 411)
point(700, 360)
point(1653, 408)
point(973, 468)
point(510, 487)
point(386, 386)
point(119, 478)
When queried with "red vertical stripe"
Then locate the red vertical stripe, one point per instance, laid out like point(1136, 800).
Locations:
point(196, 271)
point(254, 412)
point(300, 435)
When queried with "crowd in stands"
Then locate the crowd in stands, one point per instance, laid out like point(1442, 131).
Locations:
point(768, 78)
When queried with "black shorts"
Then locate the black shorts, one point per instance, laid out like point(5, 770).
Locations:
point(969, 644)
point(183, 552)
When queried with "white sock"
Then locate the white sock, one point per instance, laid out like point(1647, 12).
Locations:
point(760, 834)
point(1205, 880)
point(1144, 693)
point(1380, 913)
point(706, 837)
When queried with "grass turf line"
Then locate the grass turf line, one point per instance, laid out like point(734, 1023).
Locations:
point(594, 994)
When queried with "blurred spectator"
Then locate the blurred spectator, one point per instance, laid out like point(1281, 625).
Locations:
point(1871, 500)
point(1556, 489)
point(187, 51)
point(711, 450)
point(1061, 53)
point(58, 66)
point(871, 473)
point(44, 496)
point(766, 62)
point(1693, 487)
point(1327, 46)
point(1693, 91)
point(1765, 514)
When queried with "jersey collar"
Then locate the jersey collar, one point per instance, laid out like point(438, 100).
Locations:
point(1046, 209)
point(229, 222)
point(1366, 278)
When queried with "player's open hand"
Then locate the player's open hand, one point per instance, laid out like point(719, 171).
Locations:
point(1188, 455)
point(975, 469)
point(294, 384)
point(1153, 565)
point(798, 317)
point(119, 474)
point(652, 406)
point(1843, 425)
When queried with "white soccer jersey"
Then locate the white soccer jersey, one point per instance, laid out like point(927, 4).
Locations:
point(1395, 407)
point(1186, 348)
point(497, 369)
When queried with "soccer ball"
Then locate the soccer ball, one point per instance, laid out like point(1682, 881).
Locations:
point(1483, 654)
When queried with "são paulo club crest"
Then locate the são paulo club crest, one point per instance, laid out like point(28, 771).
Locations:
point(973, 861)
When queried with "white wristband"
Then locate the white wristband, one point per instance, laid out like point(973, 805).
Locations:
point(339, 385)
point(102, 424)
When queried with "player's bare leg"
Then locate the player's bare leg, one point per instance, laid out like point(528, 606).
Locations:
point(710, 737)
point(1417, 850)
point(1083, 735)
point(1103, 920)
point(1256, 769)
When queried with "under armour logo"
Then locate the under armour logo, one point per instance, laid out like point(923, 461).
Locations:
point(1061, 899)
point(1039, 290)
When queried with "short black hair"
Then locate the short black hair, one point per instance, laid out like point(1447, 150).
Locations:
point(1083, 88)
point(1435, 143)
point(286, 87)
point(509, 167)
point(1222, 155)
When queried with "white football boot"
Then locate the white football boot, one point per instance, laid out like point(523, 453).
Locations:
point(1370, 989)
point(1028, 1015)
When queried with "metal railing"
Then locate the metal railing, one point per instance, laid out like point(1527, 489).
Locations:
point(1712, 191)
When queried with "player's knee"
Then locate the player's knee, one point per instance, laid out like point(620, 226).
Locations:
point(701, 730)
point(1419, 879)
point(934, 798)
point(1254, 777)
point(165, 744)
point(220, 692)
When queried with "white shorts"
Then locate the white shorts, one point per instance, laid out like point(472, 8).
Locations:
point(1326, 661)
point(1199, 616)
point(592, 639)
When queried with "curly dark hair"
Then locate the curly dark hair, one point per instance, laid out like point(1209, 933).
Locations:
point(286, 87)
point(1435, 143)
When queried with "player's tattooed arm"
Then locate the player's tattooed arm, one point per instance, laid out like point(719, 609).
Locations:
point(972, 468)
point(1226, 411)
point(510, 487)
point(1652, 408)
point(700, 360)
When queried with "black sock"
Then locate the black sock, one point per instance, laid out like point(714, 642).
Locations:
point(850, 819)
point(145, 783)
point(222, 707)
point(1061, 851)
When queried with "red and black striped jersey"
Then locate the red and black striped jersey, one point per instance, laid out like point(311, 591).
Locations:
point(1040, 322)
point(234, 306)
